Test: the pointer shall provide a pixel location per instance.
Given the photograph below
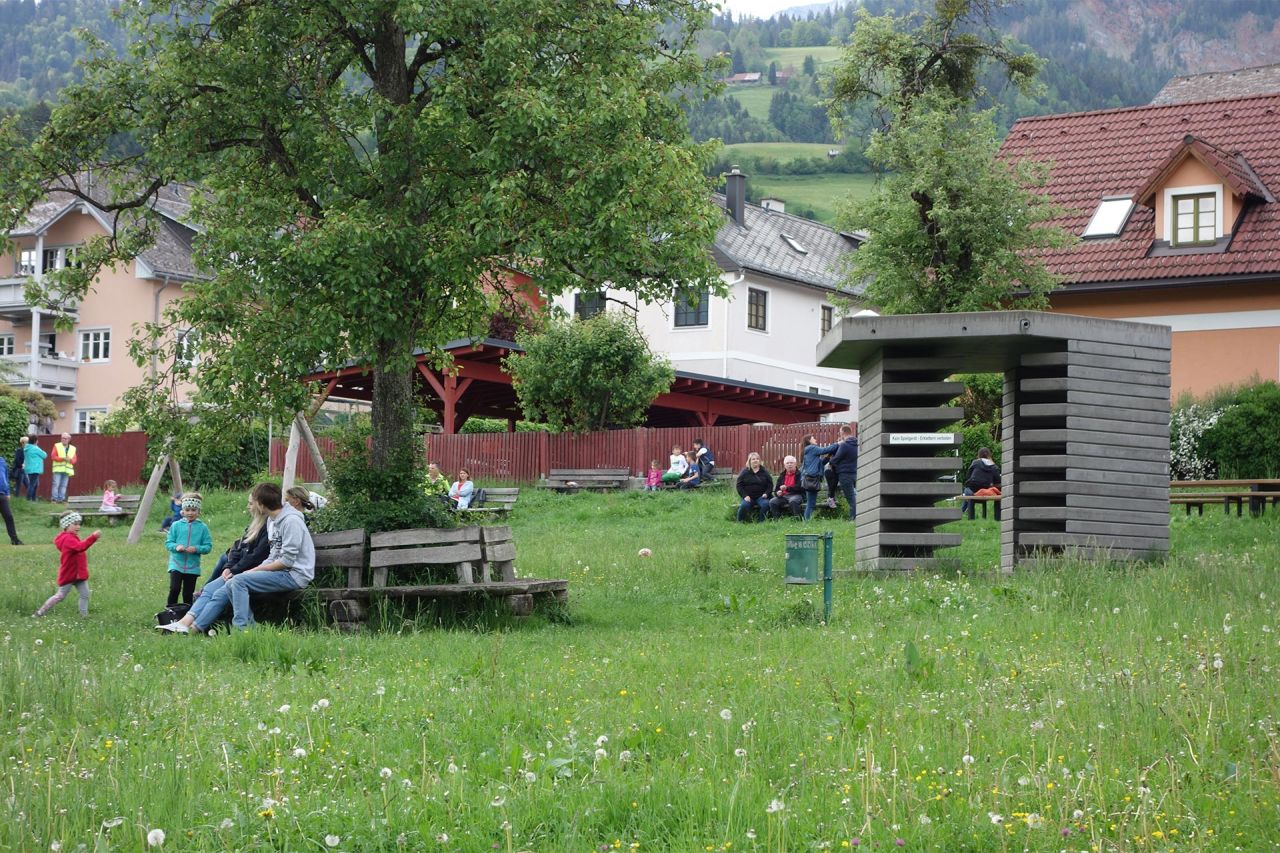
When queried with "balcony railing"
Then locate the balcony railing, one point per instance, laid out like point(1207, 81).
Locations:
point(14, 304)
point(55, 377)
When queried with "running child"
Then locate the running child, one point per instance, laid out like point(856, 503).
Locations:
point(73, 565)
point(188, 539)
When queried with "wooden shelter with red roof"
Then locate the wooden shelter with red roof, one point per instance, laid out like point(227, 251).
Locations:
point(1176, 209)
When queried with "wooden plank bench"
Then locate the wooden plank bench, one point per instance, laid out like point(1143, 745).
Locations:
point(1197, 493)
point(481, 559)
point(984, 500)
point(87, 506)
point(570, 480)
point(496, 502)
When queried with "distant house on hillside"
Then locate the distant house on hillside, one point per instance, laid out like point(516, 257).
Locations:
point(784, 275)
point(1176, 207)
point(744, 78)
point(1260, 80)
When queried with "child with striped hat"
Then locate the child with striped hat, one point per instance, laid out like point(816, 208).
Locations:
point(73, 568)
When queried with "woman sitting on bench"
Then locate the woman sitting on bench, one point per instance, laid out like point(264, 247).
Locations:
point(462, 490)
point(983, 480)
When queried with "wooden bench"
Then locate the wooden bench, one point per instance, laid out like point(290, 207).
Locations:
point(984, 500)
point(570, 480)
point(87, 506)
point(481, 560)
point(1256, 501)
point(496, 502)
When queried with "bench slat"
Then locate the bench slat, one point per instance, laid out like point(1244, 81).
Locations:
point(352, 555)
point(438, 556)
point(339, 537)
point(424, 536)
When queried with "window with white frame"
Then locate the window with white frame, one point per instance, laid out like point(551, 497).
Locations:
point(95, 345)
point(60, 257)
point(814, 389)
point(757, 309)
point(828, 320)
point(26, 262)
point(187, 349)
point(1193, 215)
point(88, 420)
point(587, 304)
point(6, 344)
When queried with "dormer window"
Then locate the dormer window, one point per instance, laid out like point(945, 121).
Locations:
point(1110, 217)
point(1195, 219)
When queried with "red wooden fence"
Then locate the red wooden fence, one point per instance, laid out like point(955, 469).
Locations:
point(98, 458)
point(527, 456)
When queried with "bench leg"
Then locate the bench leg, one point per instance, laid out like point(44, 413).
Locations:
point(349, 615)
point(464, 573)
point(520, 605)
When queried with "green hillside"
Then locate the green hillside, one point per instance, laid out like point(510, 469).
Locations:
point(783, 152)
point(785, 56)
point(819, 196)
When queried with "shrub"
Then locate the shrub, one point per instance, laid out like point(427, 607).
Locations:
point(13, 423)
point(1188, 459)
point(1243, 440)
point(377, 499)
point(234, 463)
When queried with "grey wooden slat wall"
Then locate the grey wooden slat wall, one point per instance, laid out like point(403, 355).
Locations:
point(1085, 432)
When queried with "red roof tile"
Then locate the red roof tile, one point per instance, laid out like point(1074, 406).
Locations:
point(1116, 152)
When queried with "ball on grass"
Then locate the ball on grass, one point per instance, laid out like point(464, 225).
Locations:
point(645, 552)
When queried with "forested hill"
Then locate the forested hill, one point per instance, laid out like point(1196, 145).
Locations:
point(1100, 53)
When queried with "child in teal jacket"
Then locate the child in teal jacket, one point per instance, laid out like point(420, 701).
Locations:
point(188, 539)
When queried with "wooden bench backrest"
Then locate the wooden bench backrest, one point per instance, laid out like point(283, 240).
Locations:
point(92, 502)
point(579, 473)
point(500, 496)
point(499, 553)
point(458, 547)
point(343, 549)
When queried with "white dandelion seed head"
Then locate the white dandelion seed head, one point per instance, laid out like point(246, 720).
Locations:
point(283, 709)
point(274, 730)
point(385, 773)
point(995, 818)
point(925, 820)
point(775, 806)
point(39, 642)
point(726, 714)
point(498, 801)
point(155, 838)
point(751, 835)
point(299, 752)
point(332, 840)
point(530, 776)
point(452, 768)
point(967, 759)
point(442, 838)
point(112, 822)
point(1077, 814)
point(380, 691)
point(137, 667)
point(55, 846)
point(740, 752)
point(601, 755)
point(602, 740)
point(322, 703)
point(1034, 821)
point(624, 756)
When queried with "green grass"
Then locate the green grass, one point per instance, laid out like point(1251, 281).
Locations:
point(755, 99)
point(823, 193)
point(785, 56)
point(781, 151)
point(687, 701)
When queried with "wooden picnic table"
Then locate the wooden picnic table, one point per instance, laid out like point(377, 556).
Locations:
point(1196, 493)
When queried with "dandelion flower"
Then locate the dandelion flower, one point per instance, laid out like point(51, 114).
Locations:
point(624, 756)
point(967, 759)
point(55, 846)
point(332, 841)
point(322, 704)
point(995, 818)
point(530, 776)
point(299, 752)
point(442, 838)
point(726, 714)
point(1034, 820)
point(112, 822)
point(751, 835)
point(155, 838)
point(452, 768)
point(740, 752)
point(137, 667)
point(775, 806)
point(226, 824)
point(283, 709)
point(385, 773)
point(601, 755)
point(498, 801)
point(1077, 814)
point(602, 740)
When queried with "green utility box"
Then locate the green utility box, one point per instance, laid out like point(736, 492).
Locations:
point(802, 557)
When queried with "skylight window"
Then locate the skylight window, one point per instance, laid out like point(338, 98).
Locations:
point(795, 244)
point(1109, 219)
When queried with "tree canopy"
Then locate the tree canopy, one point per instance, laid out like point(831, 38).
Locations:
point(583, 375)
point(363, 172)
point(951, 227)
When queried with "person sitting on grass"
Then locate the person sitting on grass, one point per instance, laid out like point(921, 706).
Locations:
point(290, 566)
point(755, 487)
point(692, 473)
point(676, 470)
point(787, 493)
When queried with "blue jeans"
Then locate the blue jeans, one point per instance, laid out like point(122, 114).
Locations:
point(761, 505)
point(60, 480)
point(243, 584)
point(212, 603)
point(810, 503)
point(33, 483)
point(847, 488)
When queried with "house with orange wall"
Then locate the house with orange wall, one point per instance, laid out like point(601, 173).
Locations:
point(1178, 220)
point(86, 368)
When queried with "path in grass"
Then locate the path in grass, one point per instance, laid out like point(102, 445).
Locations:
point(686, 701)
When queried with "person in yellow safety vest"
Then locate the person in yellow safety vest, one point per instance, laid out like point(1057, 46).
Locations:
point(64, 467)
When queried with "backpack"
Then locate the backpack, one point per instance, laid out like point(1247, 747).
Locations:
point(479, 498)
point(172, 613)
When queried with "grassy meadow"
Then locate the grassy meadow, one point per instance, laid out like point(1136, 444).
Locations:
point(783, 152)
point(823, 193)
point(685, 701)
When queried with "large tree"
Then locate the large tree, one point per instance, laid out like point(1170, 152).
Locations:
point(952, 228)
point(363, 171)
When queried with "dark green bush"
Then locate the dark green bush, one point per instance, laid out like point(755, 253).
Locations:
point(1243, 441)
point(377, 499)
point(235, 462)
point(13, 424)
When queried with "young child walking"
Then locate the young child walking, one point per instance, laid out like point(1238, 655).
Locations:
point(109, 497)
point(188, 539)
point(73, 565)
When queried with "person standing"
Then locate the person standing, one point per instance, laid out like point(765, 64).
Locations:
point(4, 503)
point(19, 473)
point(64, 468)
point(33, 465)
point(811, 463)
point(845, 464)
point(188, 539)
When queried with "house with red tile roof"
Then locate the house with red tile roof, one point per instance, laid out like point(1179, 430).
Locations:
point(1177, 212)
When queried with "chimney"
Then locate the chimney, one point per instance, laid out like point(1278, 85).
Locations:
point(735, 193)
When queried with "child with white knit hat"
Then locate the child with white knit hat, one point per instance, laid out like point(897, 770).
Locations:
point(73, 568)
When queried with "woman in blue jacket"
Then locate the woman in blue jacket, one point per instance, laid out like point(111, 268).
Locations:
point(811, 454)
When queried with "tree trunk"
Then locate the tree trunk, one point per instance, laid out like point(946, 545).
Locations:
point(392, 414)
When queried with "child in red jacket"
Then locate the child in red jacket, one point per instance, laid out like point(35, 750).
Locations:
point(73, 570)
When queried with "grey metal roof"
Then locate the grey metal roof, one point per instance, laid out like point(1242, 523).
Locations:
point(171, 253)
point(814, 255)
point(1243, 82)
